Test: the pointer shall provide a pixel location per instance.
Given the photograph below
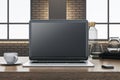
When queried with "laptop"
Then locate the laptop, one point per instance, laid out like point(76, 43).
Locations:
point(58, 40)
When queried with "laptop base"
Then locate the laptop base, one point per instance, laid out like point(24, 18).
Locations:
point(81, 64)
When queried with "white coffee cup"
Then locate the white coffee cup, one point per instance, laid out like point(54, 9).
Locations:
point(11, 57)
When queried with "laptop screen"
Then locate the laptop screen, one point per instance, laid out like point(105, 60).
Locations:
point(58, 40)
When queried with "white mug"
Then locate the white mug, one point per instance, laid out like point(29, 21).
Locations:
point(11, 57)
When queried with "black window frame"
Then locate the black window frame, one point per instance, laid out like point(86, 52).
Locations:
point(8, 23)
point(98, 23)
point(107, 23)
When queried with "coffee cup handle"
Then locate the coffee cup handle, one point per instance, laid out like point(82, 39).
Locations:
point(15, 58)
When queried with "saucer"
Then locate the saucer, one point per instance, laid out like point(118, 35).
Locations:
point(15, 64)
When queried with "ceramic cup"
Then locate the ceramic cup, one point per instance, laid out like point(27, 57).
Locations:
point(11, 57)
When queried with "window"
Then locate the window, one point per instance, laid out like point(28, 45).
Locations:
point(102, 31)
point(3, 31)
point(19, 31)
point(114, 27)
point(114, 30)
point(97, 10)
point(107, 17)
point(114, 11)
point(3, 11)
point(19, 11)
point(14, 19)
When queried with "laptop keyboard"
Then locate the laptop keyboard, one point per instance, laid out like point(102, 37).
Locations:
point(58, 61)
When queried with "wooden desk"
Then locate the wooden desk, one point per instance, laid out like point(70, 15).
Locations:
point(61, 73)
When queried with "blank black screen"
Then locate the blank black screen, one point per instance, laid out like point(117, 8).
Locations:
point(58, 40)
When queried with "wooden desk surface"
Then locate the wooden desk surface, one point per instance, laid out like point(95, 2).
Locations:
point(96, 68)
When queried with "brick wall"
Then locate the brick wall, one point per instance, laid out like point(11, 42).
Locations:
point(76, 9)
point(21, 48)
point(39, 9)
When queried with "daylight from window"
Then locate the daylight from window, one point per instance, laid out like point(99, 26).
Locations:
point(14, 19)
point(107, 16)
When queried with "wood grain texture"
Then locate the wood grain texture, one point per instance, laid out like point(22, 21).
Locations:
point(96, 68)
point(59, 76)
point(61, 73)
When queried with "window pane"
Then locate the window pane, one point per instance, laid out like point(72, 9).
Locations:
point(19, 10)
point(3, 10)
point(102, 31)
point(114, 30)
point(97, 10)
point(3, 31)
point(19, 31)
point(114, 11)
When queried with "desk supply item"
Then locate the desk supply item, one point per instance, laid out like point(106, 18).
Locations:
point(113, 49)
point(113, 45)
point(108, 55)
point(11, 57)
point(107, 66)
point(15, 64)
point(92, 31)
point(96, 50)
